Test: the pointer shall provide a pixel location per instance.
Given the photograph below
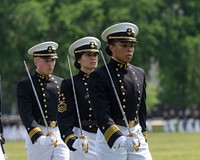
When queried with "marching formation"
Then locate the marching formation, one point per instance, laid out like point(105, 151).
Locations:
point(99, 113)
point(182, 121)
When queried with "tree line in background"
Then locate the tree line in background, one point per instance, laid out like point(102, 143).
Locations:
point(168, 40)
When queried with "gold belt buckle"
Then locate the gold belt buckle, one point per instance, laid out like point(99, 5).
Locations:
point(53, 124)
point(131, 123)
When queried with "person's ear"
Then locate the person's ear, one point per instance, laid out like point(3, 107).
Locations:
point(111, 47)
point(36, 60)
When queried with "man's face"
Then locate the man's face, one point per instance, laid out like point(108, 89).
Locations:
point(122, 51)
point(44, 66)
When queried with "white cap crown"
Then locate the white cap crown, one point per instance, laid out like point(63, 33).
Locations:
point(44, 50)
point(85, 44)
point(124, 31)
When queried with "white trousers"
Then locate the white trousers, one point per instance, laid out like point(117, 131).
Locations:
point(166, 126)
point(172, 123)
point(104, 152)
point(1, 154)
point(197, 125)
point(37, 152)
point(149, 125)
point(189, 125)
point(181, 126)
point(91, 155)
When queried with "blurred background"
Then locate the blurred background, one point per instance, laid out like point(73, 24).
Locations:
point(168, 50)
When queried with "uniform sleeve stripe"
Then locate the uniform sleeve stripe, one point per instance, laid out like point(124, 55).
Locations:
point(34, 131)
point(68, 138)
point(110, 131)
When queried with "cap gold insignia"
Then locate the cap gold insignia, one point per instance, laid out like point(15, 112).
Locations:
point(92, 44)
point(49, 49)
point(129, 31)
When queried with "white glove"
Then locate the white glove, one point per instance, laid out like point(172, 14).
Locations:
point(81, 144)
point(45, 140)
point(128, 143)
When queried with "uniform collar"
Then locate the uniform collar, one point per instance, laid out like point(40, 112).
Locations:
point(42, 76)
point(83, 74)
point(119, 64)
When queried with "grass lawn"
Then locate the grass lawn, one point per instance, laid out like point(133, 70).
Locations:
point(174, 146)
point(15, 150)
point(163, 146)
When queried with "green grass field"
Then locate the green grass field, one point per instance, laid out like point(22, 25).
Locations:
point(163, 146)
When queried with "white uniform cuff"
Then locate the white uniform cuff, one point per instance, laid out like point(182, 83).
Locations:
point(116, 145)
